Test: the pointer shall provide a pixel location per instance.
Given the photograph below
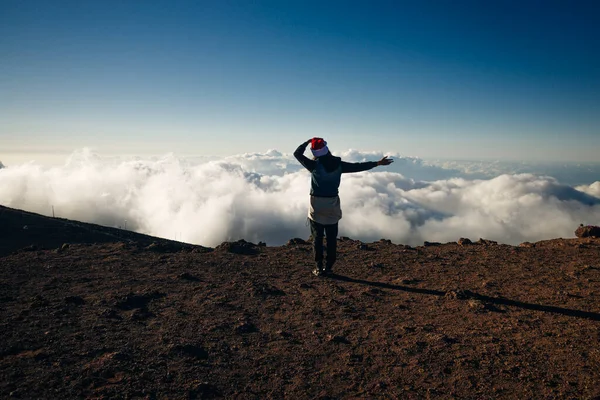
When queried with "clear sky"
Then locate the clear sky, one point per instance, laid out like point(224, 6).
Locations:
point(453, 79)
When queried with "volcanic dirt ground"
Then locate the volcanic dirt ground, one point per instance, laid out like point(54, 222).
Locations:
point(94, 312)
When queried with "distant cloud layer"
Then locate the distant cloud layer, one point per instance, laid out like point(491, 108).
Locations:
point(264, 197)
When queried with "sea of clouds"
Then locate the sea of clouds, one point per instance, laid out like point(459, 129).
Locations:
point(264, 197)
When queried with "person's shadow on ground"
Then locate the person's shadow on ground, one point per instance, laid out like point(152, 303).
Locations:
point(467, 295)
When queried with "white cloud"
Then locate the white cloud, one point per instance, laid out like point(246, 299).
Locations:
point(592, 190)
point(264, 197)
point(566, 173)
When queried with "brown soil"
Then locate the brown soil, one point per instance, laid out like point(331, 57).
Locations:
point(120, 315)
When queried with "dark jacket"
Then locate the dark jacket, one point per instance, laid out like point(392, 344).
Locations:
point(326, 171)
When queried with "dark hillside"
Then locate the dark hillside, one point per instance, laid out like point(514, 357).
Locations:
point(20, 229)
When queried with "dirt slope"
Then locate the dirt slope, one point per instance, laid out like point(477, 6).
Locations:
point(131, 319)
point(19, 229)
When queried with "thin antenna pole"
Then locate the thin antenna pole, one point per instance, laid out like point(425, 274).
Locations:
point(53, 212)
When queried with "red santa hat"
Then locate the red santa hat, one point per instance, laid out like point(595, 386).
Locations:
point(318, 147)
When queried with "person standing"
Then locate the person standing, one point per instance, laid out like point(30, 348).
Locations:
point(325, 210)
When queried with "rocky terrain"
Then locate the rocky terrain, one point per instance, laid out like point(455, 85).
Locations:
point(93, 312)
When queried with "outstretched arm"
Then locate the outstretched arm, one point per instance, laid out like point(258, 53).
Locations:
point(305, 161)
point(364, 166)
point(385, 161)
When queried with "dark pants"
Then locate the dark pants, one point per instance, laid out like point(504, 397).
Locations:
point(317, 233)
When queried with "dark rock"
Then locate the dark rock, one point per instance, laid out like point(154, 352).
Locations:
point(363, 246)
point(239, 247)
point(487, 242)
point(588, 231)
point(464, 242)
point(385, 241)
point(338, 339)
point(296, 241)
point(188, 277)
point(132, 301)
point(449, 340)
point(428, 244)
point(262, 244)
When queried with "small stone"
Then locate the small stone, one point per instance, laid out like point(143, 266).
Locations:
point(296, 241)
point(338, 339)
point(476, 305)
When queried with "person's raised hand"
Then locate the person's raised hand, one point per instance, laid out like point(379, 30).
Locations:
point(385, 161)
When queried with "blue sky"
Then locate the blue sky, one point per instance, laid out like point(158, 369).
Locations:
point(452, 79)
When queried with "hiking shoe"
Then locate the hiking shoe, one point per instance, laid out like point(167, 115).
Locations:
point(318, 271)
